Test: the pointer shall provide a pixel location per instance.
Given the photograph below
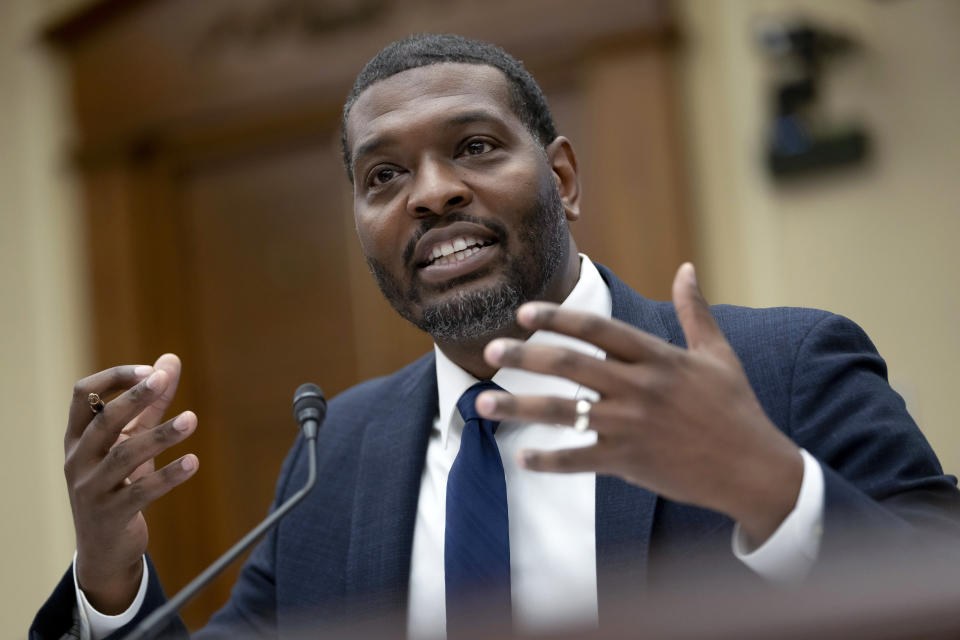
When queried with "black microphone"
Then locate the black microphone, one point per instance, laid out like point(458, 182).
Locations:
point(309, 409)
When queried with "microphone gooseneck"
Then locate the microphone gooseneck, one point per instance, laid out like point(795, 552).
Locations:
point(309, 409)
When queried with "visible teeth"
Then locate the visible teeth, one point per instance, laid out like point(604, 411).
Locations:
point(455, 251)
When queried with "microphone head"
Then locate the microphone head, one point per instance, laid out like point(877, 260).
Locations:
point(309, 404)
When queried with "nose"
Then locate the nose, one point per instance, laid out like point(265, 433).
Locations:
point(437, 190)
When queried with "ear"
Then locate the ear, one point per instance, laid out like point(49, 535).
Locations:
point(563, 162)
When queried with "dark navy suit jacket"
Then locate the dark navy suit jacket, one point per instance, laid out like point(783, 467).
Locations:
point(345, 552)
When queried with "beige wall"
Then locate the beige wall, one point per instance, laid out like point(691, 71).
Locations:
point(878, 245)
point(41, 319)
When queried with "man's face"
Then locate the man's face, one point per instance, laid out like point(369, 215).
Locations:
point(456, 206)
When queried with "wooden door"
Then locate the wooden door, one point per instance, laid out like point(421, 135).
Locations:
point(219, 216)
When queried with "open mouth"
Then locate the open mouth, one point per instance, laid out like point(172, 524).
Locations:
point(456, 250)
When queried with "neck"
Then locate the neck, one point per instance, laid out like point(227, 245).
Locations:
point(468, 354)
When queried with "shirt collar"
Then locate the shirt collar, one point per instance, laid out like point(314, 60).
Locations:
point(590, 294)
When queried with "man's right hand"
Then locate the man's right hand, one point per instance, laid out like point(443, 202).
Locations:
point(111, 476)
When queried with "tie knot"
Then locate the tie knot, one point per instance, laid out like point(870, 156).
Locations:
point(467, 404)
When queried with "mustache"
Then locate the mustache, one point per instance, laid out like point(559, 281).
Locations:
point(498, 229)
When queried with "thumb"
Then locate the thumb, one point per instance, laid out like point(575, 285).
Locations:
point(153, 414)
point(697, 322)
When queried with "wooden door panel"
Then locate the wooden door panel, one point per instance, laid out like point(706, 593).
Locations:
point(266, 299)
point(221, 223)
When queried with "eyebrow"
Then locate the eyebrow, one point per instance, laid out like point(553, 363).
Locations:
point(460, 119)
point(369, 147)
point(471, 116)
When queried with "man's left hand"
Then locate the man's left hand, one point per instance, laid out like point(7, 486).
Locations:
point(684, 423)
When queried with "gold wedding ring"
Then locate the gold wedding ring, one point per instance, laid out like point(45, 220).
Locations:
point(96, 404)
point(582, 422)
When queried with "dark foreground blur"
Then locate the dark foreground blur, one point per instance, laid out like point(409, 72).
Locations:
point(882, 594)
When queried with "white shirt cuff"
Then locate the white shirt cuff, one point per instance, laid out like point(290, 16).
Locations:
point(95, 625)
point(789, 553)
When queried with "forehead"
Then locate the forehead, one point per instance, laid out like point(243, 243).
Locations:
point(428, 94)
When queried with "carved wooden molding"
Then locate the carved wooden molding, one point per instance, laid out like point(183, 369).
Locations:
point(252, 28)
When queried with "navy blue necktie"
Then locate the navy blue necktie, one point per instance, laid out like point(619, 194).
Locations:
point(477, 537)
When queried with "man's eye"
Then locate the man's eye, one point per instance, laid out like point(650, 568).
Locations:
point(476, 147)
point(382, 176)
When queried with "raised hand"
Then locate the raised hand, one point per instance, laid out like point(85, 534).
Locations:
point(111, 476)
point(684, 423)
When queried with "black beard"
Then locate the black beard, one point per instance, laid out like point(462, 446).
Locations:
point(481, 314)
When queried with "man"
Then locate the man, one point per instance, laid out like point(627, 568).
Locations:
point(693, 428)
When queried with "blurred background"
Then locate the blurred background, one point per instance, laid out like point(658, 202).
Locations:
point(170, 181)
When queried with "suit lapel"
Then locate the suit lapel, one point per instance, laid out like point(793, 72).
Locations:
point(385, 505)
point(624, 512)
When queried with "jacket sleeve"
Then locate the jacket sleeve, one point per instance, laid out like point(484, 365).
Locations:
point(58, 617)
point(883, 482)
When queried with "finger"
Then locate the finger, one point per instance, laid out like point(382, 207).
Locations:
point(124, 458)
point(698, 324)
point(563, 460)
point(618, 339)
point(153, 413)
point(495, 405)
point(144, 491)
point(103, 383)
point(102, 433)
point(604, 376)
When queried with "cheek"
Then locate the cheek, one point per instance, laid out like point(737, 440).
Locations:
point(514, 189)
point(373, 232)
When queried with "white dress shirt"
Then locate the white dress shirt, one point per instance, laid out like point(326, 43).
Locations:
point(552, 516)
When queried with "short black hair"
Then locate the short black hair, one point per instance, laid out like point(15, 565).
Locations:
point(423, 49)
